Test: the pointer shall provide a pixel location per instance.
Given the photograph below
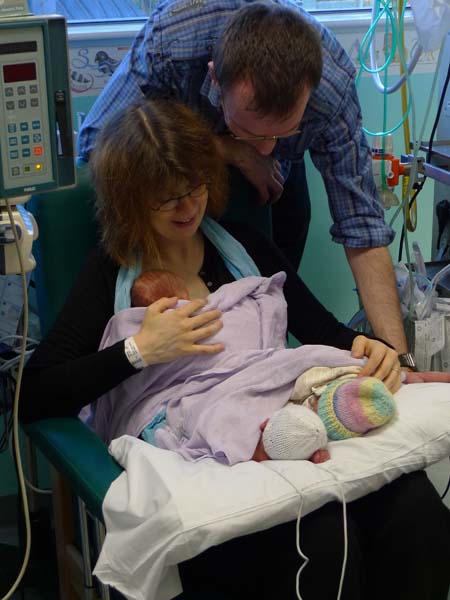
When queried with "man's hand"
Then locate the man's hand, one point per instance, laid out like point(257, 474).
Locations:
point(263, 172)
point(382, 361)
point(374, 275)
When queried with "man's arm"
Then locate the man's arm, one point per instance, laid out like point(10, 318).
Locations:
point(374, 275)
point(137, 74)
point(263, 172)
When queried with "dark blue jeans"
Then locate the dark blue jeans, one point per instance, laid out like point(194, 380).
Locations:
point(286, 221)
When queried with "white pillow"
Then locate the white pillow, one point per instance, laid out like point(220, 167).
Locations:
point(162, 509)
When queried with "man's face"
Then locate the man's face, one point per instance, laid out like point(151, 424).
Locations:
point(245, 123)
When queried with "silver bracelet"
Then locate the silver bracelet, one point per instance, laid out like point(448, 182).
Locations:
point(133, 354)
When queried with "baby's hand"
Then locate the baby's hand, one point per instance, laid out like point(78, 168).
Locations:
point(427, 377)
point(320, 456)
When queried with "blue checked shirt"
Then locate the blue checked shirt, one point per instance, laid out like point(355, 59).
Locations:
point(170, 56)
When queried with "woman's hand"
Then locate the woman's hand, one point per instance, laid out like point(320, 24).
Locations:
point(167, 335)
point(382, 361)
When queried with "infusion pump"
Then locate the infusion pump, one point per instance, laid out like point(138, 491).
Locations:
point(36, 141)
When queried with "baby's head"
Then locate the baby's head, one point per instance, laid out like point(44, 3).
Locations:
point(350, 408)
point(153, 285)
point(346, 408)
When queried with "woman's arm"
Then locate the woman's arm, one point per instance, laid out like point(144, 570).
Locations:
point(66, 371)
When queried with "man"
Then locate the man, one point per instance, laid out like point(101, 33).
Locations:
point(273, 83)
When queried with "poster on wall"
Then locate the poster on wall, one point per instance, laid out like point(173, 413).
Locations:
point(92, 67)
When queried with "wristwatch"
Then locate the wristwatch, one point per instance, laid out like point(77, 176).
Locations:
point(407, 360)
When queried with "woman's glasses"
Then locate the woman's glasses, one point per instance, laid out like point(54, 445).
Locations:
point(172, 203)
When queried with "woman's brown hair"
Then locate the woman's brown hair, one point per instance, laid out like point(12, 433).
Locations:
point(140, 155)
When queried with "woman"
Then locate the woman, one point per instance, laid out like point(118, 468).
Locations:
point(157, 172)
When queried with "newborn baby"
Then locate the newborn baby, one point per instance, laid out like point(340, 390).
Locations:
point(344, 408)
point(153, 285)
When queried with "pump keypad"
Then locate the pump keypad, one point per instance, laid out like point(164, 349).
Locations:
point(18, 98)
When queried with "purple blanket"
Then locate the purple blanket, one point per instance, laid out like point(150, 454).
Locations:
point(215, 404)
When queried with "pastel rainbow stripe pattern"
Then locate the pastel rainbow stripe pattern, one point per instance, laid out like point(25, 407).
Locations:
point(350, 408)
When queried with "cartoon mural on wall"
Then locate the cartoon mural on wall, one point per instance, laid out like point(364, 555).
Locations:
point(91, 68)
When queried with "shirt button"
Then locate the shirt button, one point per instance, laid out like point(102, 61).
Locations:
point(209, 283)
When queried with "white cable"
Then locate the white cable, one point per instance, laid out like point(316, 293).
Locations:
point(16, 412)
point(29, 485)
point(19, 338)
point(6, 366)
point(344, 519)
point(299, 550)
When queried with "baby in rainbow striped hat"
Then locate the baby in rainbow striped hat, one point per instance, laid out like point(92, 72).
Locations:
point(327, 404)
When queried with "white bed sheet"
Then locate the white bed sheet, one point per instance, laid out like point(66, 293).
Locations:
point(162, 509)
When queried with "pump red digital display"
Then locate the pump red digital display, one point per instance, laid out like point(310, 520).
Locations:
point(19, 72)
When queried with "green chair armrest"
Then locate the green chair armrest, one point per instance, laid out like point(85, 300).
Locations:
point(79, 455)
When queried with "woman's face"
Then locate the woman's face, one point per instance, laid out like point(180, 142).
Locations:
point(178, 216)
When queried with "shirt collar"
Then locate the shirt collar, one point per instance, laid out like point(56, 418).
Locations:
point(210, 91)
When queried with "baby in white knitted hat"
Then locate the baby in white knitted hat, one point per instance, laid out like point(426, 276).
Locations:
point(295, 432)
point(345, 407)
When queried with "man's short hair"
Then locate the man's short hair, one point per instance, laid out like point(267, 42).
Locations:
point(273, 47)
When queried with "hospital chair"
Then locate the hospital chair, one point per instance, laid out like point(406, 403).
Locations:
point(82, 468)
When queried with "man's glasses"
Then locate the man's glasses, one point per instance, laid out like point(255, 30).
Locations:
point(256, 138)
point(172, 203)
point(262, 138)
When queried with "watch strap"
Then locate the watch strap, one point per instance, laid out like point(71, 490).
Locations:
point(407, 360)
